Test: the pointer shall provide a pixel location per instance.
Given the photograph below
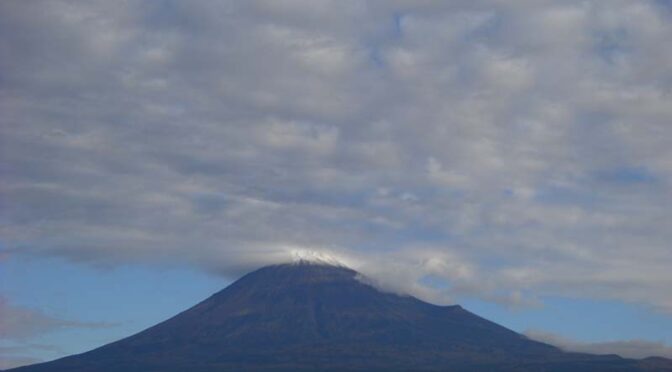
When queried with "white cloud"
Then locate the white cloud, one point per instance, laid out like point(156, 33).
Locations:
point(531, 135)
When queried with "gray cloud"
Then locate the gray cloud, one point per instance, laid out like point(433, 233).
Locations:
point(19, 354)
point(21, 323)
point(13, 361)
point(513, 150)
point(627, 349)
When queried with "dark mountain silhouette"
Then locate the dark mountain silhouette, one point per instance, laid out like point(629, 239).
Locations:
point(321, 317)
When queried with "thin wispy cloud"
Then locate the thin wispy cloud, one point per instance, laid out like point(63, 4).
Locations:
point(627, 349)
point(22, 323)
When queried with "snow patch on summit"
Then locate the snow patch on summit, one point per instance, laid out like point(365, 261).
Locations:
point(302, 255)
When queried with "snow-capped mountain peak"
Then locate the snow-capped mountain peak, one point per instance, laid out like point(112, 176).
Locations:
point(309, 256)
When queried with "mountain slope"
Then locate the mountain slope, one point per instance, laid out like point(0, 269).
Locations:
point(320, 317)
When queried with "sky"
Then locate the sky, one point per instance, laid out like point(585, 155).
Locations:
point(511, 156)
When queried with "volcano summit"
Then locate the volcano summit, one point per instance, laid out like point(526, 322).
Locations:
point(312, 316)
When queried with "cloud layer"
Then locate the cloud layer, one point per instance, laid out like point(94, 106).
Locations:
point(21, 323)
point(510, 149)
point(628, 349)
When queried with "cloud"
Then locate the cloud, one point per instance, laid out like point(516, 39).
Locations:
point(21, 323)
point(8, 362)
point(510, 151)
point(19, 353)
point(628, 349)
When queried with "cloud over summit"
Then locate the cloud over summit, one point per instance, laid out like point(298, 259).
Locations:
point(516, 148)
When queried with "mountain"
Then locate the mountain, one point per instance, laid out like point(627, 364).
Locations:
point(308, 316)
